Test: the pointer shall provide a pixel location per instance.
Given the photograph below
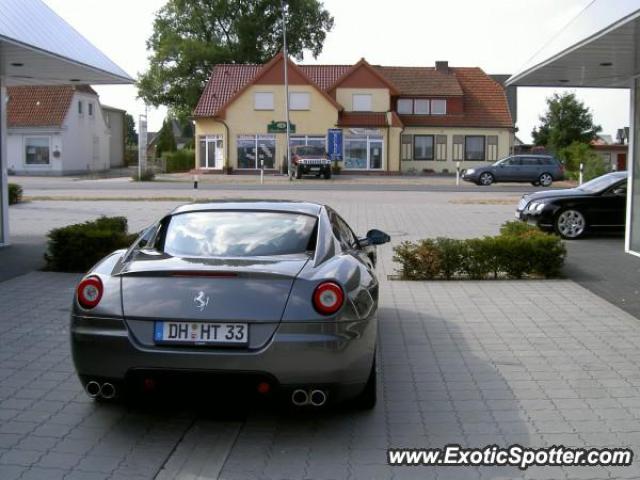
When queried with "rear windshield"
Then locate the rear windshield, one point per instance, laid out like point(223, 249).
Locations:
point(239, 234)
point(600, 184)
point(309, 151)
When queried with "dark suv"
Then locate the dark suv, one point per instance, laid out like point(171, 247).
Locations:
point(536, 169)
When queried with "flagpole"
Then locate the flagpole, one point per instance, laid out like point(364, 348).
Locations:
point(286, 85)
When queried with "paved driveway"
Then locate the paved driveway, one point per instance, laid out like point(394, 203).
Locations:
point(475, 363)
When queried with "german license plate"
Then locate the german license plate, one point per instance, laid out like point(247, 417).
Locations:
point(201, 333)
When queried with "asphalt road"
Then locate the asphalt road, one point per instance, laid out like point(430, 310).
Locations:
point(44, 185)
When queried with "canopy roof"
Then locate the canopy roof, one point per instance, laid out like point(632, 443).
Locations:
point(598, 48)
point(39, 47)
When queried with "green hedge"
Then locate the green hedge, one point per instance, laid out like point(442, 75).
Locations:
point(76, 248)
point(180, 160)
point(520, 250)
point(15, 193)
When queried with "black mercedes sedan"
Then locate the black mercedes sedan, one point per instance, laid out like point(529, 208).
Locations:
point(598, 205)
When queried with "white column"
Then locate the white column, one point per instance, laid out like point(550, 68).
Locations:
point(4, 194)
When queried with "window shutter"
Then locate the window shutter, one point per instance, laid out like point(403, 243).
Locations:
point(458, 148)
point(492, 148)
point(441, 147)
point(407, 147)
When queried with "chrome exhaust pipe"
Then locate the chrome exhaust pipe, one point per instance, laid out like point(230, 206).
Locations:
point(92, 388)
point(318, 398)
point(299, 397)
point(108, 390)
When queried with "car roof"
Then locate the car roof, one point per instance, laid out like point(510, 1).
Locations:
point(619, 174)
point(543, 155)
point(292, 206)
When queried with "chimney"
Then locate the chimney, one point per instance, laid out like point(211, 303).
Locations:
point(442, 66)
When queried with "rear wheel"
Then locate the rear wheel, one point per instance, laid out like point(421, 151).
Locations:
point(367, 399)
point(327, 173)
point(570, 224)
point(545, 180)
point(486, 179)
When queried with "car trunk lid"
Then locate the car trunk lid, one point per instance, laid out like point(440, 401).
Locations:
point(252, 290)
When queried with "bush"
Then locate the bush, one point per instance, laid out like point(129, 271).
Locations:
point(15, 193)
point(451, 253)
point(479, 258)
point(147, 175)
point(517, 228)
point(520, 250)
point(420, 261)
point(76, 248)
point(180, 161)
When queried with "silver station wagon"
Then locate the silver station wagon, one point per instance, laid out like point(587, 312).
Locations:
point(280, 297)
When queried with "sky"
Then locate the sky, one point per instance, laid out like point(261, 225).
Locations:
point(498, 36)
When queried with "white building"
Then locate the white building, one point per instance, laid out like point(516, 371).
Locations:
point(599, 48)
point(38, 47)
point(56, 130)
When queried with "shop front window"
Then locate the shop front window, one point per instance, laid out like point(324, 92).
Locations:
point(256, 151)
point(37, 151)
point(363, 151)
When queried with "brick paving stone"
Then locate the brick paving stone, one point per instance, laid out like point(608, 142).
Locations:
point(529, 362)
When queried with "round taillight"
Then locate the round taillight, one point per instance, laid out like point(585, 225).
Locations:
point(89, 292)
point(328, 298)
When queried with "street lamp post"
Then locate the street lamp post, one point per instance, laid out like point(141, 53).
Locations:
point(286, 85)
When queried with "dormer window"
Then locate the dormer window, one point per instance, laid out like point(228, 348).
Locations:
point(422, 106)
point(405, 106)
point(362, 102)
point(438, 107)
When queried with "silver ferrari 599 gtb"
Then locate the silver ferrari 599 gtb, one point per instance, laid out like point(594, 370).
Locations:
point(279, 295)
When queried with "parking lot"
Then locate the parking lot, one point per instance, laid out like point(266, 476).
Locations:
point(537, 363)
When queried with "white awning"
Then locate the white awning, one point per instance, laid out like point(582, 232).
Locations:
point(598, 48)
point(39, 47)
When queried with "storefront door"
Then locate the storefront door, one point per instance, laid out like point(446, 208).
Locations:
point(211, 152)
point(375, 154)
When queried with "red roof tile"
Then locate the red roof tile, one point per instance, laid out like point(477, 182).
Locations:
point(43, 106)
point(484, 99)
point(484, 104)
point(422, 81)
point(357, 119)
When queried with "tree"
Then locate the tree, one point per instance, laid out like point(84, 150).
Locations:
point(190, 36)
point(567, 120)
point(581, 153)
point(131, 136)
point(166, 140)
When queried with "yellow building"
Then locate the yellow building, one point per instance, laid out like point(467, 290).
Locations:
point(383, 119)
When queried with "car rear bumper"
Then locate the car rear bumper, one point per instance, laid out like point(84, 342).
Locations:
point(298, 353)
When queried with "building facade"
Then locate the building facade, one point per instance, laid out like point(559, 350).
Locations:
point(114, 118)
point(56, 130)
point(372, 119)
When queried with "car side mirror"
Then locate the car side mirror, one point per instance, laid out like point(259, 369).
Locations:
point(377, 237)
point(620, 192)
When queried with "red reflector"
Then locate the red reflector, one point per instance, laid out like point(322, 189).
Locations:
point(328, 298)
point(89, 292)
point(264, 388)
